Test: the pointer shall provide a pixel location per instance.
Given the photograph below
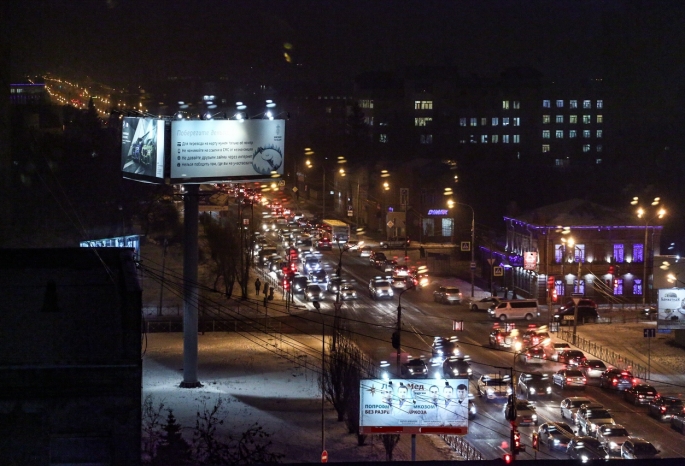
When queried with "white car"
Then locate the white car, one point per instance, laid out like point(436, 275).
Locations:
point(483, 304)
point(495, 387)
point(570, 406)
point(612, 437)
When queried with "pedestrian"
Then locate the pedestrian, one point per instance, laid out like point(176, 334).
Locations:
point(266, 300)
point(266, 290)
point(257, 286)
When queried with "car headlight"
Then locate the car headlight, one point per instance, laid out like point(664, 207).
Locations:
point(469, 371)
point(472, 409)
point(613, 445)
point(584, 459)
point(490, 391)
point(534, 417)
point(390, 292)
point(549, 390)
point(411, 371)
point(531, 390)
point(556, 441)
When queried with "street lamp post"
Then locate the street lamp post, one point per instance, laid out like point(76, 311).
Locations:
point(451, 203)
point(399, 327)
point(643, 214)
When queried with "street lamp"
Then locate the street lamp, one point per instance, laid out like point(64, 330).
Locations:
point(450, 204)
point(398, 332)
point(642, 213)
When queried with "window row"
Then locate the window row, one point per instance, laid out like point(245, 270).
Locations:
point(559, 133)
point(516, 121)
point(636, 253)
point(366, 103)
point(586, 148)
point(616, 286)
point(573, 103)
point(423, 105)
point(515, 104)
point(573, 119)
point(494, 139)
point(423, 138)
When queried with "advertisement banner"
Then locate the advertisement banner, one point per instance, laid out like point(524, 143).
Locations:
point(226, 150)
point(530, 261)
point(671, 308)
point(132, 241)
point(142, 149)
point(414, 406)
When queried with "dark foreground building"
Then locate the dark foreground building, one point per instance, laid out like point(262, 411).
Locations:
point(70, 357)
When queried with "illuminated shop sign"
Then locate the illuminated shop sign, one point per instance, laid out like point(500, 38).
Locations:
point(437, 212)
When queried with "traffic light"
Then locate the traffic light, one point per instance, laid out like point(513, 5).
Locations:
point(286, 284)
point(550, 281)
point(395, 340)
point(536, 441)
point(611, 270)
point(516, 442)
point(507, 458)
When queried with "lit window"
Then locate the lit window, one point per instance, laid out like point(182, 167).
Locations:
point(462, 141)
point(637, 287)
point(426, 139)
point(329, 110)
point(573, 119)
point(618, 253)
point(559, 287)
point(505, 121)
point(638, 255)
point(545, 134)
point(558, 252)
point(599, 148)
point(586, 133)
point(495, 138)
point(559, 119)
point(365, 103)
point(383, 138)
point(517, 121)
point(600, 104)
point(560, 103)
point(572, 134)
point(483, 121)
point(462, 121)
point(546, 119)
point(561, 162)
point(368, 120)
point(586, 147)
point(573, 104)
point(495, 121)
point(586, 119)
point(545, 148)
point(505, 104)
point(422, 121)
point(598, 161)
point(423, 105)
point(599, 134)
point(579, 286)
point(517, 138)
point(484, 138)
point(600, 119)
point(545, 103)
point(517, 104)
point(587, 104)
point(559, 134)
point(505, 138)
point(474, 121)
point(618, 286)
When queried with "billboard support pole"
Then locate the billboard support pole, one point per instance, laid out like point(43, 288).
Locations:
point(190, 290)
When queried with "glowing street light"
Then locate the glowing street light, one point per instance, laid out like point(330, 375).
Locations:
point(648, 215)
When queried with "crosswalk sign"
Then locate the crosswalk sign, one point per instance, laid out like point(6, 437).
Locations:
point(498, 271)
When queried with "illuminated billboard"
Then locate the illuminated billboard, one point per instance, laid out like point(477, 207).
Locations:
point(131, 241)
point(671, 308)
point(142, 149)
point(226, 150)
point(414, 406)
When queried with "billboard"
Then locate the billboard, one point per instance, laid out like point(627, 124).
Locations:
point(226, 150)
point(132, 241)
point(671, 308)
point(142, 149)
point(414, 407)
point(530, 260)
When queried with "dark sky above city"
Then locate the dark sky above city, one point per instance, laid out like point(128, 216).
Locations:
point(135, 40)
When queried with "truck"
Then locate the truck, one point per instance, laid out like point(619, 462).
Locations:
point(338, 231)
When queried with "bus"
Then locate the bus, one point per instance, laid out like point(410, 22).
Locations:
point(338, 231)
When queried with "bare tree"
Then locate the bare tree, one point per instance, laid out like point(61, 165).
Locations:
point(339, 367)
point(152, 421)
point(390, 441)
point(225, 252)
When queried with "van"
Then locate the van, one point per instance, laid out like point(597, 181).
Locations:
point(515, 309)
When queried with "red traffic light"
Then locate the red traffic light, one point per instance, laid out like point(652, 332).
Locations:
point(507, 458)
point(550, 281)
point(611, 270)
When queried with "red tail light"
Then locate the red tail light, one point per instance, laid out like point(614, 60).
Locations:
point(569, 379)
point(614, 381)
point(662, 409)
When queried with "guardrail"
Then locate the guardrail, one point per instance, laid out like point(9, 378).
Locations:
point(462, 447)
point(605, 354)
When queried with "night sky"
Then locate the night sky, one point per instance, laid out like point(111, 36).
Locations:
point(125, 41)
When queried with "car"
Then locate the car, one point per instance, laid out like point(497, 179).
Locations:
point(400, 271)
point(400, 283)
point(447, 295)
point(585, 448)
point(534, 385)
point(665, 407)
point(473, 410)
point(571, 357)
point(299, 283)
point(525, 412)
point(533, 355)
point(500, 338)
point(482, 304)
point(584, 302)
point(311, 263)
point(414, 368)
point(456, 367)
point(612, 437)
point(640, 394)
point(333, 283)
point(616, 379)
point(636, 448)
point(396, 242)
point(515, 309)
point(592, 368)
point(495, 387)
point(318, 276)
point(377, 259)
point(388, 266)
point(569, 407)
point(556, 435)
point(365, 251)
point(353, 245)
point(585, 314)
point(554, 349)
point(380, 288)
point(534, 337)
point(444, 348)
point(591, 417)
point(347, 291)
point(678, 423)
point(569, 378)
point(313, 292)
point(323, 244)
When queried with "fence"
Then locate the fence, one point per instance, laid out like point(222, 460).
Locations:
point(462, 447)
point(605, 354)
